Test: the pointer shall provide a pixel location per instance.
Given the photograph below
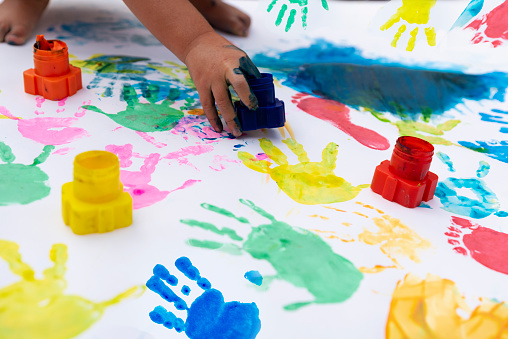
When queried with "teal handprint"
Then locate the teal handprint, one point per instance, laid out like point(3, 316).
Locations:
point(303, 4)
point(299, 256)
point(145, 117)
point(22, 184)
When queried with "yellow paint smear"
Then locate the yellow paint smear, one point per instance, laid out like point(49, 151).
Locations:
point(335, 209)
point(319, 216)
point(427, 308)
point(395, 239)
point(196, 111)
point(375, 269)
point(38, 308)
point(370, 207)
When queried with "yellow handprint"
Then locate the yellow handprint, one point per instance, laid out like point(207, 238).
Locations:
point(413, 12)
point(306, 182)
point(38, 308)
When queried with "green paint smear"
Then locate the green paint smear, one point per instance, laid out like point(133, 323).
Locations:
point(6, 154)
point(224, 212)
point(210, 227)
point(22, 184)
point(109, 64)
point(177, 72)
point(301, 258)
point(232, 249)
point(38, 308)
point(144, 117)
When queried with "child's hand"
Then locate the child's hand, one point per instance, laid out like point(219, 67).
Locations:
point(215, 64)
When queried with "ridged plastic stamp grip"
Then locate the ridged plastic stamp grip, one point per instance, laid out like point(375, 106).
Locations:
point(52, 76)
point(94, 202)
point(406, 178)
point(270, 114)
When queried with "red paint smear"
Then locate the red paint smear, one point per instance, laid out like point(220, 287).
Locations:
point(489, 248)
point(453, 242)
point(454, 229)
point(464, 223)
point(494, 25)
point(460, 250)
point(337, 114)
point(453, 235)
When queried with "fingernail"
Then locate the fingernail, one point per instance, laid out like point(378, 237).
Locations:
point(237, 132)
point(218, 126)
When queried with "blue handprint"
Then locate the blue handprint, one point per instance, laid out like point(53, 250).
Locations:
point(291, 19)
point(208, 317)
point(486, 202)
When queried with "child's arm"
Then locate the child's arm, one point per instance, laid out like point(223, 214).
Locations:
point(213, 62)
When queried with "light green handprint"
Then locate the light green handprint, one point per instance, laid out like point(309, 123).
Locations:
point(298, 256)
point(303, 4)
point(422, 130)
point(413, 12)
point(145, 117)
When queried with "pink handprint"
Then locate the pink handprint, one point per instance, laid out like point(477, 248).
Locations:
point(137, 183)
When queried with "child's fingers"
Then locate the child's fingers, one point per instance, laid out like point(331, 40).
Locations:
point(242, 88)
point(208, 103)
point(221, 95)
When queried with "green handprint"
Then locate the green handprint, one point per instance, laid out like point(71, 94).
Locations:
point(413, 12)
point(299, 256)
point(145, 117)
point(38, 308)
point(291, 19)
point(306, 182)
point(22, 184)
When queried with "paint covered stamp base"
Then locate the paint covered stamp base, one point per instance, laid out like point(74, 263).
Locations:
point(86, 218)
point(407, 193)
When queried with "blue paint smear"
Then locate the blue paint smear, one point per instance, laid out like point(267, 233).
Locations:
point(497, 117)
point(446, 160)
point(156, 285)
point(111, 30)
point(483, 169)
point(342, 74)
point(186, 290)
point(485, 204)
point(504, 130)
point(254, 277)
point(162, 272)
point(211, 318)
point(424, 205)
point(495, 149)
point(502, 214)
point(208, 317)
point(472, 10)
